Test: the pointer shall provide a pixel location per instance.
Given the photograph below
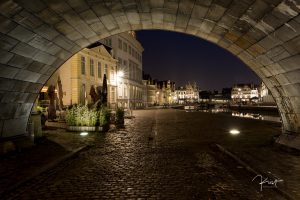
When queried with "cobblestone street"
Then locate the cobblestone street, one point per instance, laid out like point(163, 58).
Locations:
point(164, 154)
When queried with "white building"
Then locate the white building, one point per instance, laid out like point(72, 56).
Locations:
point(244, 93)
point(187, 94)
point(265, 95)
point(128, 51)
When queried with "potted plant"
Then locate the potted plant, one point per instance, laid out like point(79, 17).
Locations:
point(80, 118)
point(119, 120)
point(104, 118)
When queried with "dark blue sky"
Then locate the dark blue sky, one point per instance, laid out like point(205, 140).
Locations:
point(182, 58)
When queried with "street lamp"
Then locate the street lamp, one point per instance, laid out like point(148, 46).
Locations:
point(120, 74)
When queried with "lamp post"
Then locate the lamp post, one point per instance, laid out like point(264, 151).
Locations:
point(120, 74)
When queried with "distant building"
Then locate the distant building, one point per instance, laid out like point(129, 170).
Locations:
point(244, 93)
point(150, 91)
point(165, 92)
point(187, 94)
point(265, 95)
point(128, 51)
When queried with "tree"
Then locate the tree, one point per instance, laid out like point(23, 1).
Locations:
point(51, 108)
point(104, 91)
point(93, 94)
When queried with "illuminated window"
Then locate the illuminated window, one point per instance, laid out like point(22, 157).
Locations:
point(92, 73)
point(99, 70)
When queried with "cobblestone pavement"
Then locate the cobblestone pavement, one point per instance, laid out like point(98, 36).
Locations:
point(161, 154)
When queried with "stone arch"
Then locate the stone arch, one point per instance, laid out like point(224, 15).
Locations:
point(37, 37)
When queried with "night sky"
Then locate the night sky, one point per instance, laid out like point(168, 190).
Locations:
point(182, 58)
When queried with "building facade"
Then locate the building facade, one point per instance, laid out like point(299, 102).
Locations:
point(83, 71)
point(244, 93)
point(150, 91)
point(128, 51)
point(187, 94)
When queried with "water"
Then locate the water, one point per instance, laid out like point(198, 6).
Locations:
point(267, 116)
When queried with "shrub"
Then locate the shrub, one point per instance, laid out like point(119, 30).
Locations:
point(81, 116)
point(104, 116)
point(120, 116)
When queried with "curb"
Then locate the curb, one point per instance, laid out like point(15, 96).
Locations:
point(44, 169)
point(251, 170)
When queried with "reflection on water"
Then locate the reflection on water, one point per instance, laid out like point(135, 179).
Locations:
point(250, 115)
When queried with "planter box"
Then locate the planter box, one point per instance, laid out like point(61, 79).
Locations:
point(84, 128)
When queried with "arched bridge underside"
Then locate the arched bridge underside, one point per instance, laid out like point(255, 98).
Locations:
point(37, 37)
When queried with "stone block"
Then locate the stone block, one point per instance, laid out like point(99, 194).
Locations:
point(275, 69)
point(43, 79)
point(133, 18)
point(199, 12)
point(185, 7)
point(207, 26)
point(292, 89)
point(215, 12)
point(109, 22)
point(288, 31)
point(22, 34)
point(10, 97)
point(28, 76)
point(6, 84)
point(49, 16)
point(291, 63)
point(182, 21)
point(27, 20)
point(8, 71)
point(9, 8)
point(293, 45)
point(23, 110)
point(25, 50)
point(269, 42)
point(157, 17)
point(8, 110)
point(19, 86)
point(47, 32)
point(68, 31)
point(64, 42)
point(5, 56)
point(293, 76)
point(90, 17)
point(14, 127)
point(78, 5)
point(20, 61)
point(6, 25)
point(33, 88)
point(6, 42)
point(44, 57)
point(282, 79)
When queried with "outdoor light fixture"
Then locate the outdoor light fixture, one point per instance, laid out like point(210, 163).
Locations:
point(120, 74)
point(234, 132)
point(84, 133)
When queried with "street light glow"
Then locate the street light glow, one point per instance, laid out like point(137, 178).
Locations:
point(234, 132)
point(120, 74)
point(84, 133)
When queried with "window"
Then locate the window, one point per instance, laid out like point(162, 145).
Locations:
point(82, 65)
point(120, 43)
point(92, 73)
point(99, 69)
point(120, 61)
point(125, 46)
point(105, 70)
